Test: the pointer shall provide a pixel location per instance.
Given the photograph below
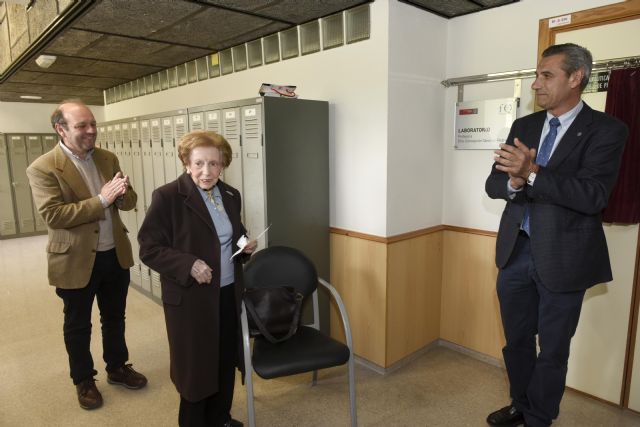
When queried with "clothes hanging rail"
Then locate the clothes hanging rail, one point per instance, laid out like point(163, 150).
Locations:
point(608, 64)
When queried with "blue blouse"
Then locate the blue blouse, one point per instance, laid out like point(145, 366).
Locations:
point(225, 234)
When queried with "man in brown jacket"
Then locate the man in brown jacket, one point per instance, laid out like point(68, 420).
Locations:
point(78, 190)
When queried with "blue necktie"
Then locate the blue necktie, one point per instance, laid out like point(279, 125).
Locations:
point(542, 159)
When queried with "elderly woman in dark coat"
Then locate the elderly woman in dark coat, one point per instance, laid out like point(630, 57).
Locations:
point(188, 236)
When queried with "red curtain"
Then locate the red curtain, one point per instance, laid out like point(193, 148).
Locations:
point(623, 102)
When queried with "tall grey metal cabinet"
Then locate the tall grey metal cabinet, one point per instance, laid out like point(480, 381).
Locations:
point(281, 167)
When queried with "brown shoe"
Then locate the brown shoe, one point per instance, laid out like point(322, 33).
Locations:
point(88, 395)
point(128, 377)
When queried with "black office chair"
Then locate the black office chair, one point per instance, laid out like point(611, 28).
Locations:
point(309, 349)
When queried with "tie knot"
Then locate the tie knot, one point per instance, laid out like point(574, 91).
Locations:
point(554, 122)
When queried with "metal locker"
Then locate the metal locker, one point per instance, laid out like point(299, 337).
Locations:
point(195, 122)
point(49, 142)
point(137, 174)
point(147, 162)
point(147, 187)
point(179, 130)
point(108, 142)
point(156, 289)
point(145, 277)
point(169, 150)
point(20, 183)
point(101, 137)
point(34, 150)
point(212, 121)
point(117, 135)
point(7, 215)
point(253, 172)
point(158, 155)
point(129, 217)
point(231, 131)
point(137, 182)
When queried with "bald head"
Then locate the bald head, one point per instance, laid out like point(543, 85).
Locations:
point(75, 124)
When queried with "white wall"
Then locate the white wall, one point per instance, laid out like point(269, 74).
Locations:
point(353, 79)
point(499, 39)
point(417, 48)
point(22, 117)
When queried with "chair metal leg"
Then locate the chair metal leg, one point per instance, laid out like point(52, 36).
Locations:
point(248, 367)
point(352, 391)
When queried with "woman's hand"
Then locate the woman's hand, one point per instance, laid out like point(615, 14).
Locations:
point(250, 247)
point(201, 272)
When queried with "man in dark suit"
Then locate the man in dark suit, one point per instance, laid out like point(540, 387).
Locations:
point(79, 190)
point(555, 171)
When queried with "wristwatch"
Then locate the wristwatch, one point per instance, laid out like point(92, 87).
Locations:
point(531, 178)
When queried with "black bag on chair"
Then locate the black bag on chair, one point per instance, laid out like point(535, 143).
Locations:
point(273, 312)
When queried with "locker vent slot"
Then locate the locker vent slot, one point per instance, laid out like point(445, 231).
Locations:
point(251, 127)
point(155, 134)
point(196, 122)
point(310, 37)
point(8, 227)
point(254, 51)
point(289, 43)
point(135, 132)
point(332, 31)
point(239, 57)
point(271, 49)
point(214, 65)
point(167, 132)
point(181, 129)
point(201, 65)
point(226, 61)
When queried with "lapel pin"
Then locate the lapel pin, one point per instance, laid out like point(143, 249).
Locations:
point(579, 133)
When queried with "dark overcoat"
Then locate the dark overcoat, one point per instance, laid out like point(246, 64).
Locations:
point(178, 230)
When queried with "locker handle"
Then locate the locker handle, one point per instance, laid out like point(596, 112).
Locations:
point(252, 155)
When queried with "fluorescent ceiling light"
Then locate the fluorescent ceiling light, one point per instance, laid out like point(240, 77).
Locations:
point(46, 61)
point(30, 97)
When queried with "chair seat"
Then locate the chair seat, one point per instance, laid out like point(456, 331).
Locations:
point(306, 351)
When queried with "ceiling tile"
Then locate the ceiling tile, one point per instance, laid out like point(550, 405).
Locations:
point(71, 41)
point(217, 29)
point(138, 18)
point(293, 11)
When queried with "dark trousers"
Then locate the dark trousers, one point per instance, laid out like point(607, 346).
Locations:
point(109, 283)
point(537, 380)
point(215, 410)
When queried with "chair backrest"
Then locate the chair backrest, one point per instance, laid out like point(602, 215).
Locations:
point(281, 266)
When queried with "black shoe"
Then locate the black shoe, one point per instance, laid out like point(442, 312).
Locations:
point(233, 423)
point(508, 416)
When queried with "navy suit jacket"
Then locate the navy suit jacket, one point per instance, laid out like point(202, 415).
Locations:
point(565, 203)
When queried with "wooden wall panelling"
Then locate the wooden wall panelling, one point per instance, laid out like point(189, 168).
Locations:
point(470, 309)
point(413, 295)
point(359, 273)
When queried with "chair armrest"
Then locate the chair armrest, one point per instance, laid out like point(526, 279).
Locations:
point(343, 311)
